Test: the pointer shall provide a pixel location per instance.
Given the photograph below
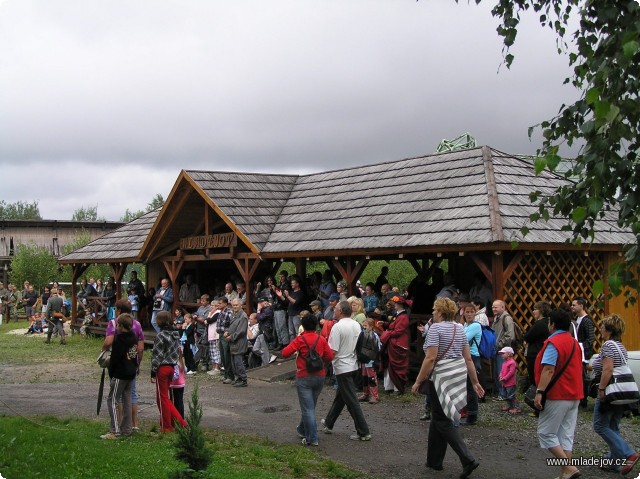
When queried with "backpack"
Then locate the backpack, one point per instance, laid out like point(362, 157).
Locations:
point(487, 346)
point(518, 340)
point(313, 361)
point(367, 347)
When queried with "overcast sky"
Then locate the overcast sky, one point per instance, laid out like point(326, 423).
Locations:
point(104, 102)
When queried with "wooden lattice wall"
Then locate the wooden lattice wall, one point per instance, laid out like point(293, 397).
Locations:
point(556, 278)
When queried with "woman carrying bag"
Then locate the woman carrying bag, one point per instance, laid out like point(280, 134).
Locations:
point(606, 416)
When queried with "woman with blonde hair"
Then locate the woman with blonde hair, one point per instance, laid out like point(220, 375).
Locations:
point(606, 417)
point(445, 368)
point(357, 310)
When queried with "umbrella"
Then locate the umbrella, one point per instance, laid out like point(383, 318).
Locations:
point(100, 392)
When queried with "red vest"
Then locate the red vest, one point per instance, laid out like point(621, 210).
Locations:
point(569, 384)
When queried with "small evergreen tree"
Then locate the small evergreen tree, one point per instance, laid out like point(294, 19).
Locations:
point(190, 445)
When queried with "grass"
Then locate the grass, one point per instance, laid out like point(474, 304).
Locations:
point(47, 447)
point(18, 349)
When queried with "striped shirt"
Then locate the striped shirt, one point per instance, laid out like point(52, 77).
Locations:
point(610, 351)
point(440, 336)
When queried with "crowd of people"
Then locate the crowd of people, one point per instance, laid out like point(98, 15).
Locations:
point(326, 329)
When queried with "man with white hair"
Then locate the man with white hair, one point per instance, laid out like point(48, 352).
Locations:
point(342, 340)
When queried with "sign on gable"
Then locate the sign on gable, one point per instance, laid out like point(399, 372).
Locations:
point(222, 240)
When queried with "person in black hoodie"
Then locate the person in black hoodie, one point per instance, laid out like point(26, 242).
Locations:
point(122, 371)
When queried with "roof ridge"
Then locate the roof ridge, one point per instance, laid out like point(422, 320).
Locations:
point(284, 205)
point(497, 233)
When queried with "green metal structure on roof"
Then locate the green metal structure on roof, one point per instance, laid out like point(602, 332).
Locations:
point(463, 142)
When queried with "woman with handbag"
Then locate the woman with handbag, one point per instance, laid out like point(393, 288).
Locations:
point(558, 374)
point(449, 359)
point(606, 417)
point(122, 371)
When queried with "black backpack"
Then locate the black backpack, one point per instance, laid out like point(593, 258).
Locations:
point(367, 347)
point(313, 362)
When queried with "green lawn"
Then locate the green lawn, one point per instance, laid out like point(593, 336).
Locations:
point(48, 447)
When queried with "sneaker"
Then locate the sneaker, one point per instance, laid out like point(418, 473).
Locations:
point(426, 416)
point(498, 398)
point(356, 437)
point(630, 463)
point(213, 372)
point(325, 429)
point(135, 429)
point(240, 384)
point(189, 373)
point(305, 443)
point(272, 359)
point(109, 435)
point(228, 381)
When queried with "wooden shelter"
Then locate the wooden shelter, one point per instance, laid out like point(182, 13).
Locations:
point(466, 206)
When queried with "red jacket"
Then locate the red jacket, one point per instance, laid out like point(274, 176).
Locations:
point(298, 344)
point(569, 384)
point(397, 332)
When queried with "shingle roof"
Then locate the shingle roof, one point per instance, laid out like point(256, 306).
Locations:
point(469, 197)
point(121, 245)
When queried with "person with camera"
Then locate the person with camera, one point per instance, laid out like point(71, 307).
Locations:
point(162, 301)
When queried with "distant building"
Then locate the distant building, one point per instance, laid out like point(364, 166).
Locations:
point(50, 234)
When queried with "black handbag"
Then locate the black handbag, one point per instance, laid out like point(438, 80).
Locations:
point(530, 394)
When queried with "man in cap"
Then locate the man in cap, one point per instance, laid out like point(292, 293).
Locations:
point(316, 309)
point(328, 312)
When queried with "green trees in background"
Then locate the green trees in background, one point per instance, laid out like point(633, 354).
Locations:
point(20, 210)
point(129, 215)
point(33, 263)
point(89, 213)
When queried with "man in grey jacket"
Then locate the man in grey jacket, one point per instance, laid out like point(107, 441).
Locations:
point(505, 334)
point(54, 305)
point(236, 335)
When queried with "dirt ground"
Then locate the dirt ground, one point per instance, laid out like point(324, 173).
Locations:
point(506, 447)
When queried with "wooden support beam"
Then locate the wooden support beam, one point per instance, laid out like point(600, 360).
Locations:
point(173, 268)
point(482, 267)
point(118, 272)
point(513, 264)
point(247, 268)
point(416, 266)
point(497, 276)
point(76, 272)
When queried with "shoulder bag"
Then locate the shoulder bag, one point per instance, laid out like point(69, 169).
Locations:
point(530, 394)
point(622, 388)
point(423, 388)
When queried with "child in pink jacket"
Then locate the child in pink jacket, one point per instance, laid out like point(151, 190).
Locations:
point(508, 379)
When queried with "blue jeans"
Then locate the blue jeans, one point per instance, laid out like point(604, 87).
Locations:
point(607, 425)
point(309, 388)
point(280, 326)
point(154, 323)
